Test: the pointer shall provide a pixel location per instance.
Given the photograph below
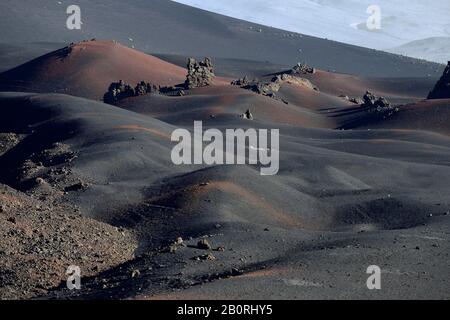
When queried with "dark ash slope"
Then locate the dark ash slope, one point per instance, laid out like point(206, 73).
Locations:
point(161, 26)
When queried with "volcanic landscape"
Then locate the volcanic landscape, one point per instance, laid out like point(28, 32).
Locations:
point(86, 176)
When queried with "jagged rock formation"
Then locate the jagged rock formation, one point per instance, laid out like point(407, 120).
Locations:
point(372, 101)
point(200, 74)
point(117, 91)
point(271, 88)
point(240, 82)
point(356, 100)
point(286, 78)
point(379, 105)
point(302, 68)
point(121, 90)
point(172, 91)
point(265, 88)
point(144, 88)
point(247, 115)
point(442, 88)
point(352, 100)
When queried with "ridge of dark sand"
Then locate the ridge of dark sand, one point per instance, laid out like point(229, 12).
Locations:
point(425, 115)
point(332, 186)
point(165, 27)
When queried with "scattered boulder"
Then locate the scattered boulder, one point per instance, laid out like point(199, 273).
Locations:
point(80, 186)
point(286, 78)
point(172, 91)
point(46, 235)
point(378, 105)
point(144, 88)
point(173, 247)
point(12, 220)
point(356, 100)
point(236, 272)
point(135, 273)
point(200, 74)
point(40, 181)
point(263, 88)
point(121, 90)
point(204, 245)
point(267, 89)
point(247, 115)
point(117, 91)
point(302, 68)
point(372, 101)
point(241, 82)
point(442, 88)
point(205, 257)
point(270, 89)
point(8, 141)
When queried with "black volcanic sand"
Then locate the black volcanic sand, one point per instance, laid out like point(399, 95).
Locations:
point(343, 200)
point(89, 184)
point(166, 27)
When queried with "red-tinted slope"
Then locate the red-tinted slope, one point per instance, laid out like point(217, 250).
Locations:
point(88, 69)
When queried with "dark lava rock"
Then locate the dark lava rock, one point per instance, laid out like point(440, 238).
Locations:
point(236, 272)
point(356, 100)
point(200, 74)
point(204, 245)
point(12, 220)
point(442, 88)
point(240, 82)
point(247, 115)
point(118, 90)
point(302, 68)
point(81, 186)
point(205, 257)
point(144, 88)
point(378, 105)
point(121, 90)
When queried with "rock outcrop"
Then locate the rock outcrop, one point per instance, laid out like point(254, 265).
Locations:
point(200, 74)
point(121, 90)
point(302, 68)
point(378, 105)
point(372, 101)
point(442, 88)
point(117, 91)
point(247, 115)
point(144, 88)
point(356, 100)
point(240, 82)
point(271, 88)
